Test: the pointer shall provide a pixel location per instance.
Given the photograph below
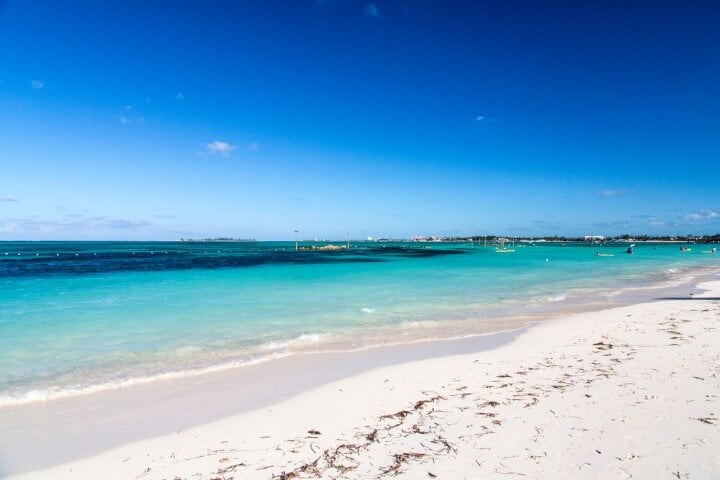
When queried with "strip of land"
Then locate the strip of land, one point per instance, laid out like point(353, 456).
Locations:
point(632, 392)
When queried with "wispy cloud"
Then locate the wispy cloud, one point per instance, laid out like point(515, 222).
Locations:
point(702, 215)
point(611, 193)
point(37, 84)
point(70, 223)
point(655, 221)
point(162, 215)
point(125, 119)
point(611, 226)
point(480, 118)
point(121, 223)
point(372, 11)
point(220, 148)
point(8, 199)
point(179, 96)
point(253, 146)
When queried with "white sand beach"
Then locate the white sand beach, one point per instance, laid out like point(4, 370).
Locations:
point(632, 392)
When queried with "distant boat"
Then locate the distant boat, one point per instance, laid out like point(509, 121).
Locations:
point(502, 249)
point(630, 249)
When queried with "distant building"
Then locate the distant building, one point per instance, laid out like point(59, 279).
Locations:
point(594, 238)
point(418, 238)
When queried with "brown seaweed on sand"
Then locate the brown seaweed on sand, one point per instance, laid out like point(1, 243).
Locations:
point(707, 420)
point(421, 403)
point(399, 460)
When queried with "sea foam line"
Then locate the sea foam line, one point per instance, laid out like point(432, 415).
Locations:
point(48, 394)
point(45, 395)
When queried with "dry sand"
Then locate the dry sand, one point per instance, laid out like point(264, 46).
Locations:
point(632, 392)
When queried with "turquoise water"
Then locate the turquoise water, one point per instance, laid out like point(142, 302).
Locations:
point(90, 315)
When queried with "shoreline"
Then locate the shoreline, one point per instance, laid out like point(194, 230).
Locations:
point(507, 317)
point(157, 408)
point(66, 430)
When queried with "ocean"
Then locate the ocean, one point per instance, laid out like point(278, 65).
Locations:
point(79, 317)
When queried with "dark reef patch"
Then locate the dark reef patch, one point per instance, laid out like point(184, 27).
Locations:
point(94, 258)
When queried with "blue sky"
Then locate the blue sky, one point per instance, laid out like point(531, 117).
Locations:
point(161, 120)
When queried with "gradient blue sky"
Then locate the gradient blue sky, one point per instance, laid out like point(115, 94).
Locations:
point(161, 120)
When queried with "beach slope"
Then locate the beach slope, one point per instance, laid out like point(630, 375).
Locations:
point(632, 392)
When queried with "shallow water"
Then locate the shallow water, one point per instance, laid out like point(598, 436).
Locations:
point(78, 316)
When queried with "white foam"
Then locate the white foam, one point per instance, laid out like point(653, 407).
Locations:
point(368, 310)
point(556, 298)
point(56, 393)
point(416, 323)
point(304, 338)
point(188, 349)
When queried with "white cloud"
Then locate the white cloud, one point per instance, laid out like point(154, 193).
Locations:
point(37, 84)
point(253, 146)
point(479, 118)
point(702, 215)
point(124, 119)
point(611, 193)
point(8, 199)
point(372, 11)
point(179, 96)
point(220, 148)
